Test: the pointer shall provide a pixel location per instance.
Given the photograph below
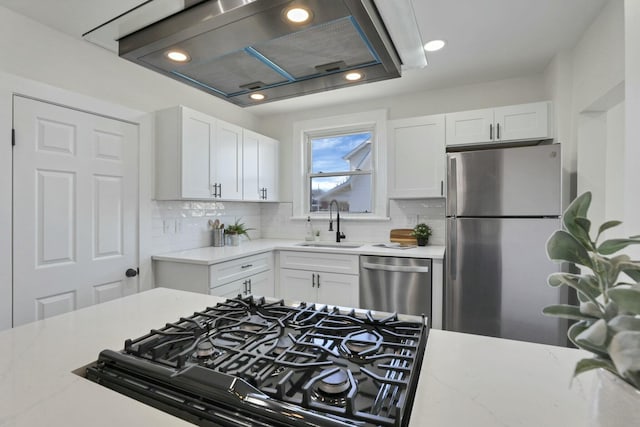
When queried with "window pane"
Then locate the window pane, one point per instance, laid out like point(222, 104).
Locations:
point(341, 153)
point(353, 193)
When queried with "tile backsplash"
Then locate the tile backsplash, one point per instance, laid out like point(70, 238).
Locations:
point(276, 222)
point(181, 225)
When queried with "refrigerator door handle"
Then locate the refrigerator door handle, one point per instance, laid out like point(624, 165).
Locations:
point(452, 184)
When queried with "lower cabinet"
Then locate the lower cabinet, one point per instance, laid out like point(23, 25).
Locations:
point(251, 275)
point(312, 277)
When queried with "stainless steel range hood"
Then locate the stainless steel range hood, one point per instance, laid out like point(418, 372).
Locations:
point(236, 48)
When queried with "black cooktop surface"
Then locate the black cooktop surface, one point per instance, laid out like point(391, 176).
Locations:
point(260, 362)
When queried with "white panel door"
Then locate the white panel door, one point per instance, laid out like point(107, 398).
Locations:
point(228, 160)
point(75, 188)
point(298, 285)
point(250, 143)
point(268, 152)
point(470, 127)
point(525, 121)
point(416, 157)
point(198, 133)
point(338, 289)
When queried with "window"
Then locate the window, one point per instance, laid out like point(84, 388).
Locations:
point(341, 159)
point(340, 169)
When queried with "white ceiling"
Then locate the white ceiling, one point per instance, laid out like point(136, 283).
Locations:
point(486, 40)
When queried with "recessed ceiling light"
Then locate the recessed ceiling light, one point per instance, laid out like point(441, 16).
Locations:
point(298, 15)
point(434, 45)
point(178, 56)
point(353, 76)
point(257, 96)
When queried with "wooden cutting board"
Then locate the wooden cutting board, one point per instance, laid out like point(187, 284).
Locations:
point(402, 236)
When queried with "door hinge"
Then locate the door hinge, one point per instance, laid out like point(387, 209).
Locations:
point(13, 137)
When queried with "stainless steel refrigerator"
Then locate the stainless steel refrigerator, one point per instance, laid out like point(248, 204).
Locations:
point(502, 206)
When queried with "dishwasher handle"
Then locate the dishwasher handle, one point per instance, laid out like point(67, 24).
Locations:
point(398, 268)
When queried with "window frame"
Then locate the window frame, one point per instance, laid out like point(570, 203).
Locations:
point(371, 121)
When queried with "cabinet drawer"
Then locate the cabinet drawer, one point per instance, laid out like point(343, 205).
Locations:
point(230, 290)
point(318, 261)
point(225, 272)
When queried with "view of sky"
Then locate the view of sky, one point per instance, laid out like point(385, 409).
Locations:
point(327, 153)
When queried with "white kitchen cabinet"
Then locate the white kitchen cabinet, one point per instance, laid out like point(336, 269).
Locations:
point(416, 157)
point(260, 167)
point(227, 162)
point(185, 144)
point(241, 276)
point(325, 278)
point(502, 124)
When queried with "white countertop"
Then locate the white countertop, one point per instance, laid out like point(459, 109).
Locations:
point(466, 380)
point(214, 255)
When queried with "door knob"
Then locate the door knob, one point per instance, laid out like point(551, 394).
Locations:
point(131, 272)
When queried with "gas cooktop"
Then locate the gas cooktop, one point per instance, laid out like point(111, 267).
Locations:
point(261, 362)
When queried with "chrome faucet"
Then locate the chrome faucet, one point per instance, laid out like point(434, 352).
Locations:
point(339, 235)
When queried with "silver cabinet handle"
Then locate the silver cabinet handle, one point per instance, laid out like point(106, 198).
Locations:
point(490, 131)
point(442, 188)
point(498, 131)
point(396, 268)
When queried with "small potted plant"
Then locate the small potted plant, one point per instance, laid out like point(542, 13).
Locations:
point(235, 230)
point(607, 314)
point(422, 232)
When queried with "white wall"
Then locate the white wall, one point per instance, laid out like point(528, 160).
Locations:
point(585, 83)
point(632, 123)
point(469, 97)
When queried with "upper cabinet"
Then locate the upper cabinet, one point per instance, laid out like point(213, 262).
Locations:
point(503, 124)
point(260, 167)
point(227, 163)
point(201, 157)
point(417, 157)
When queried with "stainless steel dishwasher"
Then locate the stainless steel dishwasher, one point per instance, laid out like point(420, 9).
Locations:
point(396, 284)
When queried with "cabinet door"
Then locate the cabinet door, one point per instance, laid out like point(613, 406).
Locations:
point(198, 133)
point(470, 127)
point(521, 122)
point(250, 168)
point(337, 289)
point(228, 161)
point(417, 157)
point(261, 284)
point(268, 154)
point(297, 285)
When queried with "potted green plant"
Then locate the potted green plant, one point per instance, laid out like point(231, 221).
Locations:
point(422, 232)
point(235, 230)
point(608, 312)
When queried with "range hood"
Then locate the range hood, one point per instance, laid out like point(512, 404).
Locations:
point(238, 48)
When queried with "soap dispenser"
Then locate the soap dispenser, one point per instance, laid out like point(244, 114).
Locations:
point(308, 236)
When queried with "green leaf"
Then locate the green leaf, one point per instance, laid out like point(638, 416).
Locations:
point(628, 300)
point(624, 322)
point(588, 285)
point(566, 311)
point(632, 269)
point(583, 223)
point(607, 225)
point(595, 335)
point(585, 365)
point(625, 354)
point(612, 246)
point(578, 328)
point(578, 209)
point(562, 246)
point(591, 309)
point(613, 267)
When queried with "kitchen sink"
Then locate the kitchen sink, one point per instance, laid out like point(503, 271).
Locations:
point(329, 245)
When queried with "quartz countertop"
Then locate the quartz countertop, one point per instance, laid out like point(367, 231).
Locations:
point(466, 380)
point(213, 255)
